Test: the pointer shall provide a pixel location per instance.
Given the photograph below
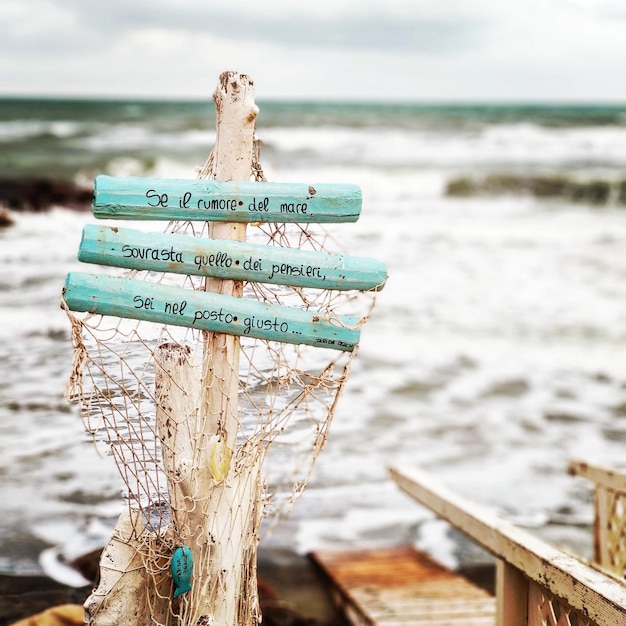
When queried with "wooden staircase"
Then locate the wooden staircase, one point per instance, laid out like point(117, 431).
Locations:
point(536, 585)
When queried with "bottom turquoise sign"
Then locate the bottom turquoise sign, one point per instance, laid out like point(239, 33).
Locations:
point(153, 302)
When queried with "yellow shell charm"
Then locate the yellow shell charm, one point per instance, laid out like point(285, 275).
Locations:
point(219, 458)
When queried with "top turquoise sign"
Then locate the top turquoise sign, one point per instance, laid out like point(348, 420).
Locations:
point(224, 201)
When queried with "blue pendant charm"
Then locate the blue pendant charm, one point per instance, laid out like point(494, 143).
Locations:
point(182, 568)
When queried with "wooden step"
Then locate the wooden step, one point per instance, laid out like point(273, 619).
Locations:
point(400, 586)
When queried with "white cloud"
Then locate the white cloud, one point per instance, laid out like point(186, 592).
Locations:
point(404, 49)
point(34, 26)
point(346, 24)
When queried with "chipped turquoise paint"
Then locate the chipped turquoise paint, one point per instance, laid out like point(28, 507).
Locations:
point(225, 201)
point(153, 302)
point(134, 249)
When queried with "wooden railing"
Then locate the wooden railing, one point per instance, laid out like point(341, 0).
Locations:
point(537, 585)
point(609, 525)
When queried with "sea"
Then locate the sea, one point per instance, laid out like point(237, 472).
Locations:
point(495, 354)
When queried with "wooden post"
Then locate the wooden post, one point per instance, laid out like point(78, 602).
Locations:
point(236, 113)
point(208, 515)
point(511, 595)
point(215, 489)
point(232, 513)
point(177, 385)
point(126, 592)
point(601, 543)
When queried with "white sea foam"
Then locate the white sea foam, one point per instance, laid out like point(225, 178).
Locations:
point(499, 146)
point(23, 129)
point(134, 136)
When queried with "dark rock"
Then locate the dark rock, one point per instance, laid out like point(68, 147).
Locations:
point(41, 194)
point(620, 410)
point(461, 187)
point(556, 186)
point(622, 192)
point(549, 186)
point(22, 596)
point(593, 192)
point(88, 565)
point(498, 184)
point(6, 219)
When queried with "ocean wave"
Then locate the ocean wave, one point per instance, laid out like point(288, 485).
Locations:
point(15, 130)
point(516, 147)
point(500, 316)
point(447, 117)
point(366, 137)
point(136, 136)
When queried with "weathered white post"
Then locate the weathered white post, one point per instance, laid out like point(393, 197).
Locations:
point(214, 490)
point(233, 493)
point(127, 593)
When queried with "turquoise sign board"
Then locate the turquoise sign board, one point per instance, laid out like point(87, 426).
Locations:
point(225, 201)
point(154, 302)
point(180, 254)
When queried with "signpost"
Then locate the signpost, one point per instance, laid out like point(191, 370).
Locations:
point(174, 199)
point(152, 302)
point(224, 201)
point(180, 254)
point(215, 503)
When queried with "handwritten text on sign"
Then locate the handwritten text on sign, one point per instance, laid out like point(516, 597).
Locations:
point(134, 249)
point(153, 302)
point(226, 201)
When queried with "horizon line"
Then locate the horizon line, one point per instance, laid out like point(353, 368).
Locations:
point(123, 98)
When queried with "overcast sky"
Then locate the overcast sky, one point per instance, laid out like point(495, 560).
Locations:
point(415, 50)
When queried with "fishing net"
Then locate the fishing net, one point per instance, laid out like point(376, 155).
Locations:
point(150, 399)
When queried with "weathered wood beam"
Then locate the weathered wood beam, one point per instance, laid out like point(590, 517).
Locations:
point(608, 477)
point(225, 200)
point(599, 597)
point(214, 312)
point(236, 260)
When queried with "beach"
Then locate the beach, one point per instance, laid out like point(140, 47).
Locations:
point(493, 355)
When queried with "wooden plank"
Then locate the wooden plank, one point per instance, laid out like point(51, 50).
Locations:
point(153, 302)
point(595, 595)
point(180, 254)
point(545, 609)
point(610, 487)
point(224, 201)
point(601, 541)
point(402, 586)
point(535, 597)
point(608, 477)
point(512, 595)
